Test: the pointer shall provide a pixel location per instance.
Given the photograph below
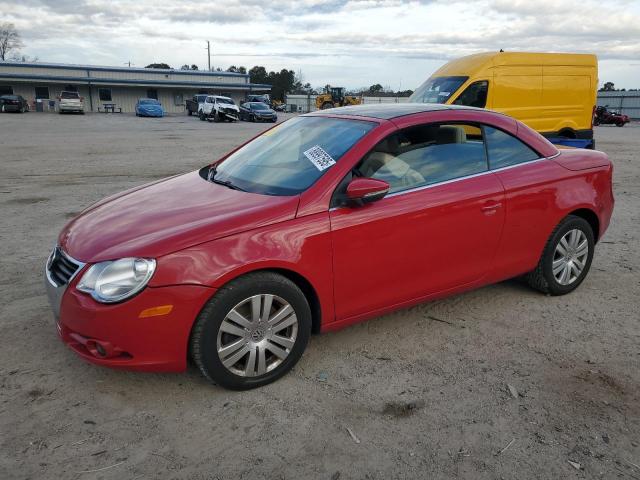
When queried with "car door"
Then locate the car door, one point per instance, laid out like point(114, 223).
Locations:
point(437, 229)
point(530, 198)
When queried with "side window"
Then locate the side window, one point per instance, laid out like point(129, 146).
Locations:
point(475, 95)
point(104, 94)
point(426, 154)
point(506, 150)
point(42, 92)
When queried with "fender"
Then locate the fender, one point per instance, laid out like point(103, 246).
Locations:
point(301, 246)
point(539, 195)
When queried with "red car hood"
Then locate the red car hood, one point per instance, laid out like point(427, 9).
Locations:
point(167, 216)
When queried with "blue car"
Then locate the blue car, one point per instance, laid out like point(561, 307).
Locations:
point(149, 107)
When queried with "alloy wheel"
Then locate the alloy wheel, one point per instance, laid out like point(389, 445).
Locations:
point(570, 256)
point(257, 335)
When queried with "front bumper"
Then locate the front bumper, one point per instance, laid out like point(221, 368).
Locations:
point(115, 335)
point(151, 113)
point(232, 114)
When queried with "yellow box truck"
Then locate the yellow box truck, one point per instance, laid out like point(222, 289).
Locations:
point(553, 93)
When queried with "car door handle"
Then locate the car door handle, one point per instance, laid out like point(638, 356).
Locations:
point(489, 208)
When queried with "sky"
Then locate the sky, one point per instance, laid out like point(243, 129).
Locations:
point(351, 43)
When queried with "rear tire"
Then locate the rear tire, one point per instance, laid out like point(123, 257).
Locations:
point(189, 112)
point(229, 328)
point(326, 105)
point(620, 124)
point(566, 258)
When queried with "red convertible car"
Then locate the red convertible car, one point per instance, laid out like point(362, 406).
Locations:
point(322, 221)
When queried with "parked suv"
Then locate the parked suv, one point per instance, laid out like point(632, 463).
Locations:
point(70, 102)
point(218, 108)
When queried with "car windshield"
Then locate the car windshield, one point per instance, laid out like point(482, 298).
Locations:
point(69, 95)
point(289, 158)
point(148, 101)
point(437, 89)
point(259, 106)
point(225, 100)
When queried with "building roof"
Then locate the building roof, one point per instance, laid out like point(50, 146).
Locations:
point(389, 110)
point(71, 66)
point(98, 75)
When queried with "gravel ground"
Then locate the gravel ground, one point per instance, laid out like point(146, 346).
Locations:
point(425, 391)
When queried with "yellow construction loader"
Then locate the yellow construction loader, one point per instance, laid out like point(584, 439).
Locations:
point(335, 97)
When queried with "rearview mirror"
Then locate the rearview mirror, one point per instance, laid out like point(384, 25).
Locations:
point(366, 190)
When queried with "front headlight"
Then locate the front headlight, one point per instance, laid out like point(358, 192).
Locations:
point(117, 280)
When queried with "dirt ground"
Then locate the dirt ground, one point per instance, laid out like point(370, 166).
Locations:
point(425, 391)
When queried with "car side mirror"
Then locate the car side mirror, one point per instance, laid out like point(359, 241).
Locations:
point(366, 190)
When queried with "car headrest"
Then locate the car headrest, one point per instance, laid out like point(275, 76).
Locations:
point(450, 134)
point(389, 145)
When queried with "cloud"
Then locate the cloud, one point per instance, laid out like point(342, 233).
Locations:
point(343, 39)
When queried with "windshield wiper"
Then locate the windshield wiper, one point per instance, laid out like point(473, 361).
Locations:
point(211, 177)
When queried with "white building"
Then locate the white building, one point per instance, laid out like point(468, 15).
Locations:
point(41, 84)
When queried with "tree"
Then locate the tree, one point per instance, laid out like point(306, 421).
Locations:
point(9, 40)
point(187, 67)
point(159, 65)
point(377, 88)
point(608, 87)
point(24, 59)
point(281, 83)
point(303, 89)
point(234, 69)
point(258, 75)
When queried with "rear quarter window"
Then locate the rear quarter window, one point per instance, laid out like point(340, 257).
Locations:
point(506, 150)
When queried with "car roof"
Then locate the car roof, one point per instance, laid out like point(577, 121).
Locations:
point(389, 110)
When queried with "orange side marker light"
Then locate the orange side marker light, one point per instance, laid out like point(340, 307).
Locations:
point(156, 311)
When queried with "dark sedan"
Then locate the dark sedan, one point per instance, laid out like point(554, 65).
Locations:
point(257, 112)
point(13, 103)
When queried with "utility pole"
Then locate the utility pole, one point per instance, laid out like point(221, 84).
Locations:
point(128, 63)
point(209, 55)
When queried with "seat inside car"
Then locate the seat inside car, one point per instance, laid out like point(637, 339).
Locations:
point(382, 154)
point(450, 134)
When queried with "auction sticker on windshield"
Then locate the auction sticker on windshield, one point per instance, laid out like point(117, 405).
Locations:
point(321, 159)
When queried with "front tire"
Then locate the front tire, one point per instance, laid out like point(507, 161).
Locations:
point(566, 258)
point(252, 332)
point(202, 116)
